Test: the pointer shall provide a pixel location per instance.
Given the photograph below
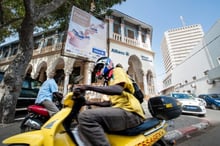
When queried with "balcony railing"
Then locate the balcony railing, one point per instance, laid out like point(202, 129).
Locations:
point(129, 41)
point(47, 49)
point(117, 37)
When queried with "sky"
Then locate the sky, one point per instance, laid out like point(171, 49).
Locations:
point(163, 15)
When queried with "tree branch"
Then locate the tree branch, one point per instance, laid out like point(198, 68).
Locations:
point(5, 24)
point(43, 11)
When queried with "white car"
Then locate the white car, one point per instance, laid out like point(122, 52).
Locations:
point(190, 104)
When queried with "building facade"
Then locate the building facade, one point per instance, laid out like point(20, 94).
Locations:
point(178, 43)
point(128, 43)
point(199, 72)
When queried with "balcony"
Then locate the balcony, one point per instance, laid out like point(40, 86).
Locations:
point(47, 49)
point(130, 41)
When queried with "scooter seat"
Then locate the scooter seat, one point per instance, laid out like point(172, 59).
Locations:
point(146, 125)
point(39, 109)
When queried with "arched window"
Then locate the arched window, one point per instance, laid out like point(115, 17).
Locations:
point(150, 81)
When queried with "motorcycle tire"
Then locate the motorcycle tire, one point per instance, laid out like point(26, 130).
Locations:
point(162, 142)
point(18, 145)
point(26, 128)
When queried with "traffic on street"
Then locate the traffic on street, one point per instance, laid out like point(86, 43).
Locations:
point(190, 138)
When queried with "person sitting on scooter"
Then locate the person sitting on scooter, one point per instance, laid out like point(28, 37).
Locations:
point(47, 91)
point(124, 109)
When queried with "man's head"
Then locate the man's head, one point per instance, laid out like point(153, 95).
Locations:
point(103, 66)
point(51, 74)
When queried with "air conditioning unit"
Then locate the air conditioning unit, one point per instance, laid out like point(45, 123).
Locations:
point(210, 82)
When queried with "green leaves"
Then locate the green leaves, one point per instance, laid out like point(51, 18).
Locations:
point(12, 13)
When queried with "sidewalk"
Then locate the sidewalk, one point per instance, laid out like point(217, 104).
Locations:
point(186, 128)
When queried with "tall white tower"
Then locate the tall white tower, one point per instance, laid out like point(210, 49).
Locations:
point(177, 43)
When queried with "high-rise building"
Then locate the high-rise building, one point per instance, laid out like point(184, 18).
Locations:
point(177, 43)
point(199, 72)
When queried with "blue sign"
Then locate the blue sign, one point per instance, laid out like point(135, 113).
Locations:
point(98, 51)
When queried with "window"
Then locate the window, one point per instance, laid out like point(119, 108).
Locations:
point(49, 41)
point(5, 52)
point(130, 33)
point(36, 44)
point(14, 50)
point(143, 37)
point(116, 28)
point(25, 84)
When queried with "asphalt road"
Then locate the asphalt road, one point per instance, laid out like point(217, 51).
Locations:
point(206, 137)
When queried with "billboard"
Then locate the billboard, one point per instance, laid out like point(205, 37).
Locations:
point(86, 36)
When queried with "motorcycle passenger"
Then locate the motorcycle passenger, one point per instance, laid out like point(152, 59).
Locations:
point(47, 91)
point(123, 111)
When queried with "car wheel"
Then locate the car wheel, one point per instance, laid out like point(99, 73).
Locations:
point(203, 115)
point(214, 107)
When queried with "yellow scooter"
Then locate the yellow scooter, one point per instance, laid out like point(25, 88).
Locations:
point(58, 130)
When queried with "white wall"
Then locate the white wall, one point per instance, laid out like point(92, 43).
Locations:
point(199, 61)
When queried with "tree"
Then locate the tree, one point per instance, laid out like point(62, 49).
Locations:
point(24, 17)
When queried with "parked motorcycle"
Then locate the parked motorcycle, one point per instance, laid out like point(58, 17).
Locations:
point(58, 130)
point(38, 114)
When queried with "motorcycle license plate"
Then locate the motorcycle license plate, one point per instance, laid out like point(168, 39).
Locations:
point(152, 138)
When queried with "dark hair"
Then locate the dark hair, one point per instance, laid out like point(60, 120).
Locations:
point(119, 65)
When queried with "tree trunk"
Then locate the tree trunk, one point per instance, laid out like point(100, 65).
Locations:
point(15, 73)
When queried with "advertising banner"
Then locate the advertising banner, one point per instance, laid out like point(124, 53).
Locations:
point(86, 36)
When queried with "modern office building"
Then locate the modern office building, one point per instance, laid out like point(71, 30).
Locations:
point(128, 42)
point(199, 72)
point(177, 43)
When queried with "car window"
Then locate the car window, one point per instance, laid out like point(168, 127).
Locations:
point(201, 96)
point(215, 95)
point(28, 83)
point(35, 84)
point(25, 84)
point(181, 96)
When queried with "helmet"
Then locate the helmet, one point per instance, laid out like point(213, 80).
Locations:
point(103, 66)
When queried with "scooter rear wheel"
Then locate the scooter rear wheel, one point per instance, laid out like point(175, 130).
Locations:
point(26, 128)
point(162, 142)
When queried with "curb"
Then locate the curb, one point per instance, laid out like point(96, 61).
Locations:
point(182, 132)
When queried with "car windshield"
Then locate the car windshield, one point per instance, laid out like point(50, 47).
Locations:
point(182, 96)
point(215, 95)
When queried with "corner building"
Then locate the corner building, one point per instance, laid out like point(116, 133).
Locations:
point(128, 43)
